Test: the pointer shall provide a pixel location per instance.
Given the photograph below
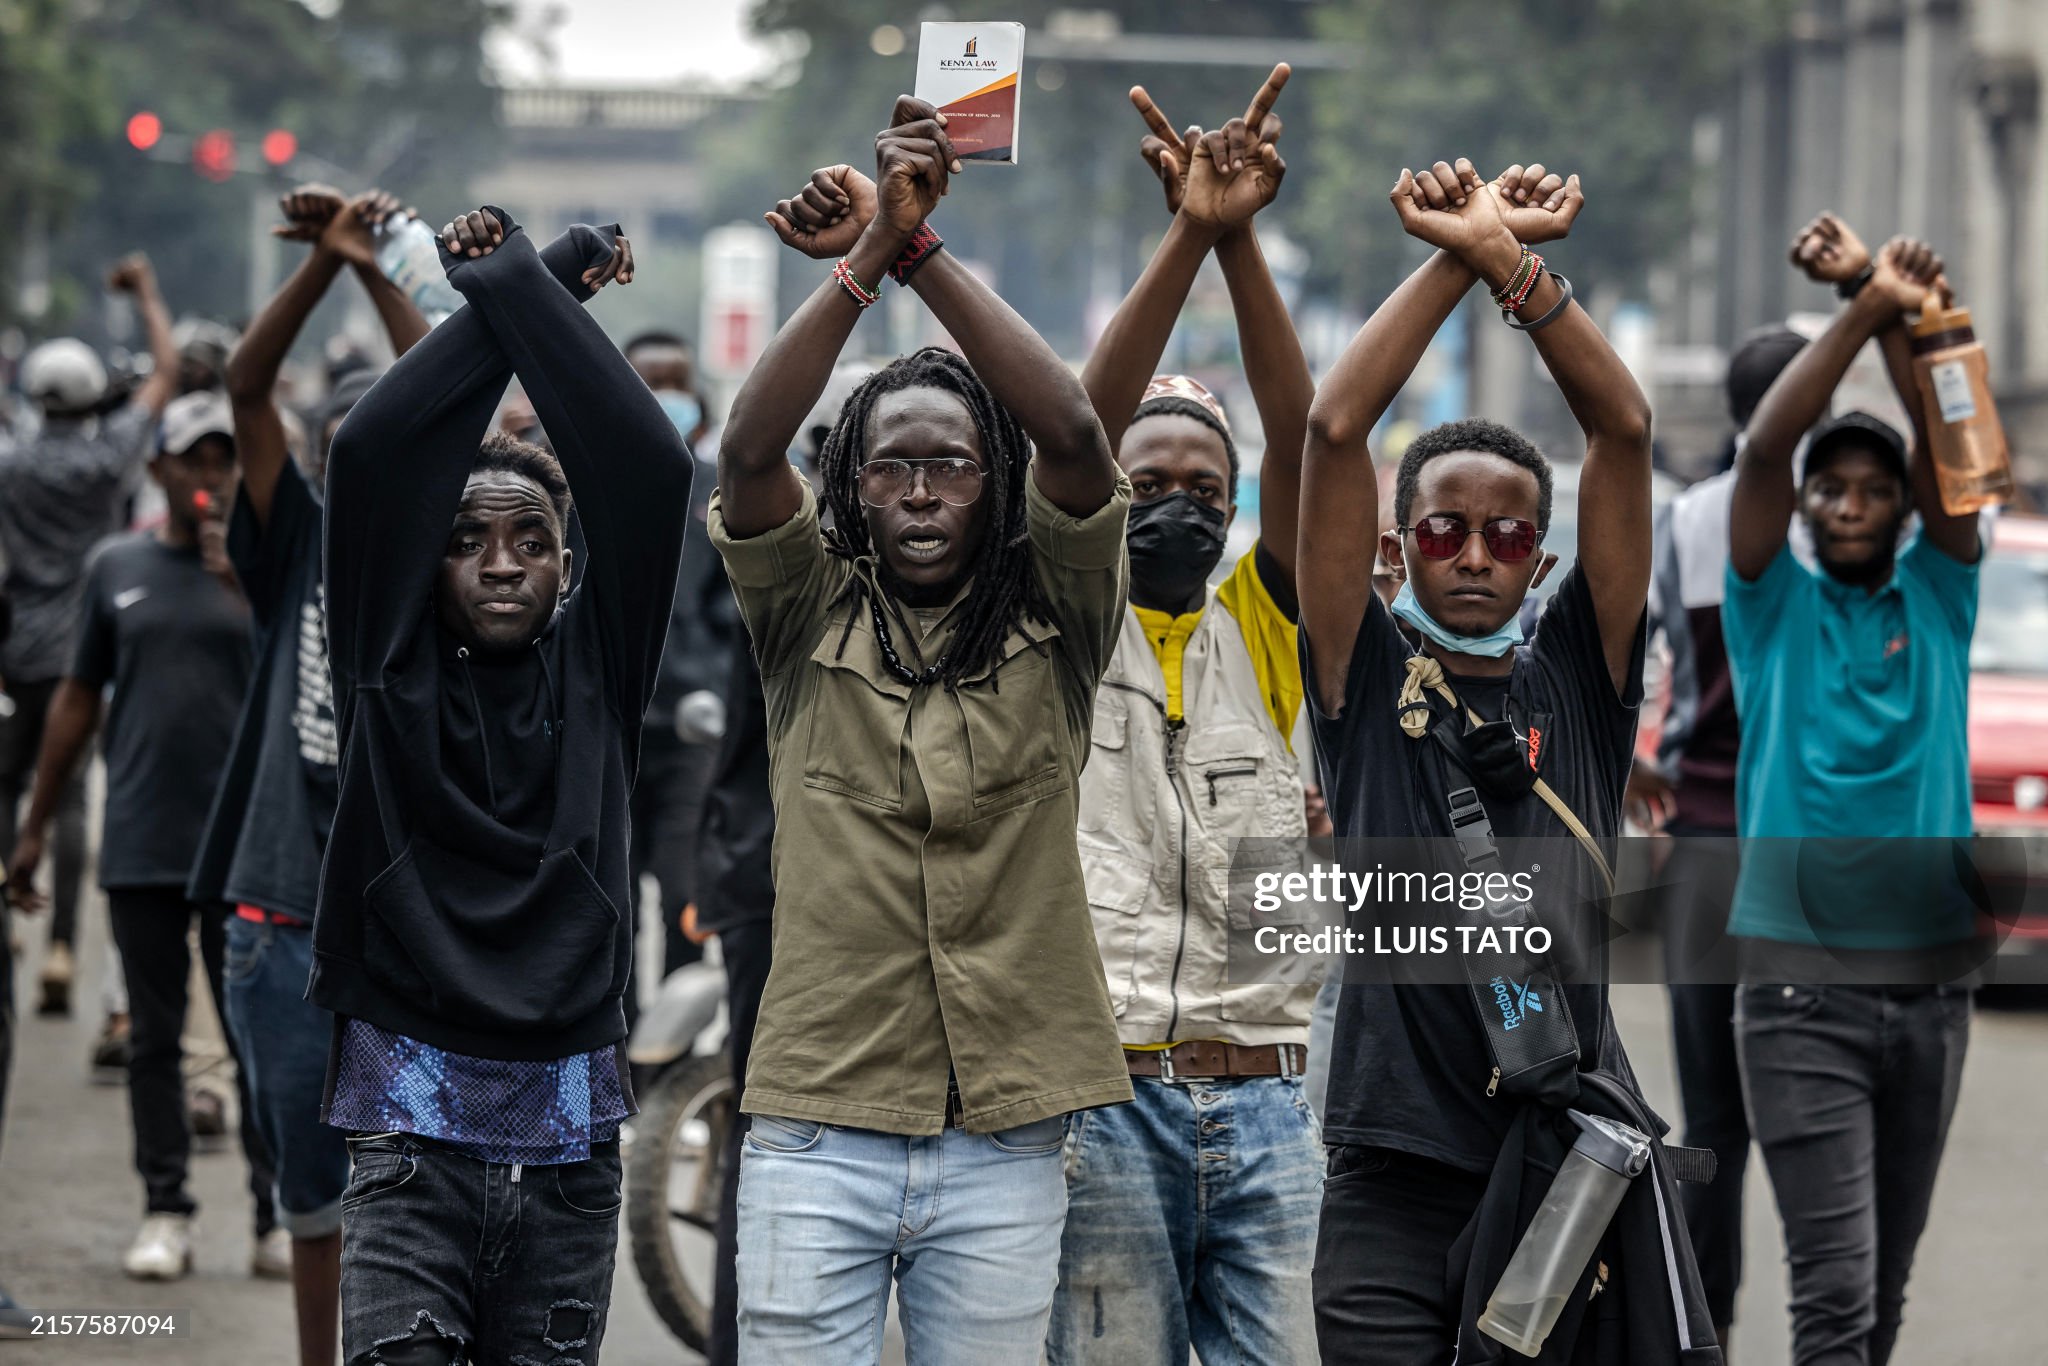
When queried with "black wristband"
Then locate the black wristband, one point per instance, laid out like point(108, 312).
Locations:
point(915, 252)
point(1851, 287)
point(1556, 310)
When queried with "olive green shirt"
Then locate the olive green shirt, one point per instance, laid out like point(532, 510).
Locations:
point(930, 914)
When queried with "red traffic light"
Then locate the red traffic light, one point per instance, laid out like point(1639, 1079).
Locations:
point(144, 130)
point(280, 145)
point(213, 154)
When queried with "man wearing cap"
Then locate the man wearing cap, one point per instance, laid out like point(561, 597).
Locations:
point(61, 493)
point(163, 625)
point(1191, 1213)
point(276, 799)
point(1852, 685)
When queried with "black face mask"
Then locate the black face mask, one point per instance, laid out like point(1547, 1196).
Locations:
point(1175, 542)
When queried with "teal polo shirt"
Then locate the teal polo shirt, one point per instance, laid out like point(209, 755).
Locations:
point(1855, 728)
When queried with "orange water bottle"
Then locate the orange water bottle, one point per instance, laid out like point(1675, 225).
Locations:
point(1972, 465)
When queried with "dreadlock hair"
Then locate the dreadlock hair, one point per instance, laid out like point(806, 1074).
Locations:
point(1470, 434)
point(1187, 407)
point(1005, 590)
point(503, 451)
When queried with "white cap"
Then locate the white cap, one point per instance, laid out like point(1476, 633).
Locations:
point(65, 373)
point(189, 417)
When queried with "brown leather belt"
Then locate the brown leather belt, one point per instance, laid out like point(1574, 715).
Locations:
point(1211, 1058)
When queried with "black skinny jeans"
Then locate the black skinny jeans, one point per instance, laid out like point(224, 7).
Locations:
point(1850, 1093)
point(1382, 1274)
point(151, 925)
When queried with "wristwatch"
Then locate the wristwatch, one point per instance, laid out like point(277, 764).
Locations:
point(1851, 287)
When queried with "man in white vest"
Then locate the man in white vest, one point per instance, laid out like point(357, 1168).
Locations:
point(1191, 1214)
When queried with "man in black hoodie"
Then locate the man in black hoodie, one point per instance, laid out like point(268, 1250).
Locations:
point(469, 934)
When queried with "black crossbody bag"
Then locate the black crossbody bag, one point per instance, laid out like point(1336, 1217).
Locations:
point(1519, 995)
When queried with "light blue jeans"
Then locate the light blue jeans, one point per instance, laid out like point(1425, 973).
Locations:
point(1191, 1221)
point(968, 1224)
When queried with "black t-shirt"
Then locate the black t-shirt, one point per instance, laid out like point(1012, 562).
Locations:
point(174, 642)
point(270, 820)
point(1409, 1064)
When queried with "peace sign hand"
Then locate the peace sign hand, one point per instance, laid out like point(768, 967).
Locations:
point(1170, 155)
point(1238, 168)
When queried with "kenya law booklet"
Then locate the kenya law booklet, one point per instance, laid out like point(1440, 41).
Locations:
point(969, 71)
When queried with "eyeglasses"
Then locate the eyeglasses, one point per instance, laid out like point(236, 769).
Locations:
point(1442, 537)
point(952, 480)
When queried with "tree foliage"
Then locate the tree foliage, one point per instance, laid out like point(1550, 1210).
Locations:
point(1607, 88)
point(390, 90)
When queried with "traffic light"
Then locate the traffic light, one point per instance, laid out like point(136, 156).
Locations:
point(280, 145)
point(144, 130)
point(213, 154)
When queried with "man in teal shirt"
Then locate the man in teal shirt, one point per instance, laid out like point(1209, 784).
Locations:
point(1851, 680)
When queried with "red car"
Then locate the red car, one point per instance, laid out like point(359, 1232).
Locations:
point(2009, 713)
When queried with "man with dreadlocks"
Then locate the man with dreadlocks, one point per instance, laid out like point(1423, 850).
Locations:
point(936, 1008)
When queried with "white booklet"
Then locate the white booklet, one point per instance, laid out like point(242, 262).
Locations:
point(969, 72)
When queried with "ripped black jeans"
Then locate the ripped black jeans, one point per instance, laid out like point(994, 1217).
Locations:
point(445, 1258)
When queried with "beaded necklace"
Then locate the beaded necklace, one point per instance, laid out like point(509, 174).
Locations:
point(889, 656)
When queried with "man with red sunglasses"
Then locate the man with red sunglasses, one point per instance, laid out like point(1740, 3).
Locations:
point(1416, 1115)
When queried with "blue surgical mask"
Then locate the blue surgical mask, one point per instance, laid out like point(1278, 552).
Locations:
point(682, 409)
point(1506, 638)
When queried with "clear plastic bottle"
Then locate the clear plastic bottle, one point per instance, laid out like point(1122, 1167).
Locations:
point(1563, 1236)
point(410, 258)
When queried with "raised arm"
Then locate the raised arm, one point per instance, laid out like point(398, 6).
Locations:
point(341, 233)
point(1072, 465)
point(1340, 499)
point(627, 465)
point(834, 216)
point(1766, 495)
point(1956, 536)
point(398, 465)
point(133, 276)
point(1614, 484)
point(1234, 172)
point(1282, 388)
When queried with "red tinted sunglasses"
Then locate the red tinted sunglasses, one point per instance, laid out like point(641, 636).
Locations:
point(1443, 537)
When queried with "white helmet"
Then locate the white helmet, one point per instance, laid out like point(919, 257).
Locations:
point(65, 374)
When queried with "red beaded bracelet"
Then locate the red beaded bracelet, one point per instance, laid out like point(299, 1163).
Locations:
point(862, 295)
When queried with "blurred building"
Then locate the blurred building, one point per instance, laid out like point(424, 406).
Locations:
point(605, 153)
point(1904, 116)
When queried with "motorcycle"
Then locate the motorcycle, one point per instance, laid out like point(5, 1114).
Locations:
point(675, 1166)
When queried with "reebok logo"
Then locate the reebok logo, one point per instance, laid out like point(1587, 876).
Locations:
point(1516, 1001)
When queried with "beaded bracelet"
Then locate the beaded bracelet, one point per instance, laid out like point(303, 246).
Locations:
point(916, 251)
point(1511, 295)
point(862, 295)
point(1556, 310)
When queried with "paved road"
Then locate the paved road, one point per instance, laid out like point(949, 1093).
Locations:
point(68, 1202)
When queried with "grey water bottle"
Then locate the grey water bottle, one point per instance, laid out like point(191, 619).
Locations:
point(1561, 1239)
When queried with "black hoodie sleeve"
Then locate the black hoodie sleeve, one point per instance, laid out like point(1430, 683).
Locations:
point(628, 467)
point(397, 469)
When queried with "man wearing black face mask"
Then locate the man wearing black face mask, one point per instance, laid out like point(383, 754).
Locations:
point(1176, 1241)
